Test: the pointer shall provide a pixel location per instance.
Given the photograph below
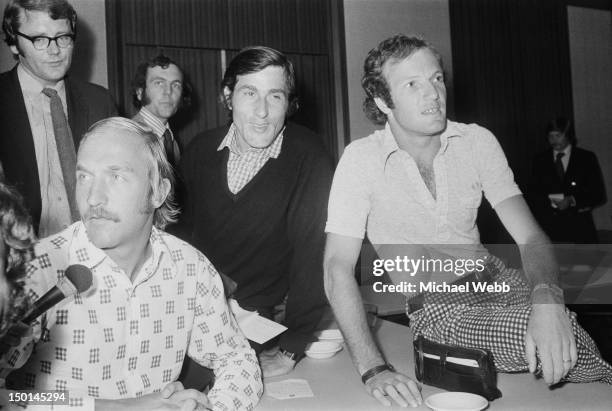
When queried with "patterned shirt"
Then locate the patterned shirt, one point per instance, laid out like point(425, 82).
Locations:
point(242, 167)
point(144, 116)
point(125, 339)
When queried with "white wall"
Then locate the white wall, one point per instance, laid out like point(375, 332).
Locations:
point(590, 37)
point(368, 22)
point(90, 53)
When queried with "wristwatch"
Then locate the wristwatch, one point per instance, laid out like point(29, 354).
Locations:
point(291, 355)
point(375, 371)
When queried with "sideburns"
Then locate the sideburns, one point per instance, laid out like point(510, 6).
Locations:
point(147, 205)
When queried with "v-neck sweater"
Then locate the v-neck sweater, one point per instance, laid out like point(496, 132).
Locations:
point(269, 236)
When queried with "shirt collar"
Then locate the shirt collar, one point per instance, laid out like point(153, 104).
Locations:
point(158, 127)
point(451, 131)
point(83, 251)
point(567, 151)
point(230, 141)
point(389, 144)
point(31, 85)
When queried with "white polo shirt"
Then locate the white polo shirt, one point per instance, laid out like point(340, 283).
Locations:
point(378, 189)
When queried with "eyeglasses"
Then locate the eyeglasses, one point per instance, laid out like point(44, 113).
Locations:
point(43, 42)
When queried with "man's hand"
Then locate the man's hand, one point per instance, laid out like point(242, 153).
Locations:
point(190, 400)
point(13, 335)
point(550, 333)
point(273, 363)
point(174, 397)
point(565, 203)
point(398, 387)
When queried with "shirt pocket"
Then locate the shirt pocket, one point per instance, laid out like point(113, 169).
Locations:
point(469, 195)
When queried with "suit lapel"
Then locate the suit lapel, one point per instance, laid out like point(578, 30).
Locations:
point(572, 164)
point(552, 168)
point(17, 116)
point(78, 112)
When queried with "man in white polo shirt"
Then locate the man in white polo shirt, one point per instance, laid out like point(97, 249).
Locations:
point(419, 182)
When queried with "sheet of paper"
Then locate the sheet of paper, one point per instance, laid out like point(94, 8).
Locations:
point(461, 361)
point(554, 198)
point(253, 326)
point(288, 389)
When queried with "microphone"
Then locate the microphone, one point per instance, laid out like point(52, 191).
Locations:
point(77, 279)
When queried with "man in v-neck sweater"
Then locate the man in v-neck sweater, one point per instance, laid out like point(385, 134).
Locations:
point(256, 200)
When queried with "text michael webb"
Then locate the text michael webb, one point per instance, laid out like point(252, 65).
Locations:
point(441, 287)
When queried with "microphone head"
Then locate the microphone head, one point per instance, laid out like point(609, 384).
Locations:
point(80, 276)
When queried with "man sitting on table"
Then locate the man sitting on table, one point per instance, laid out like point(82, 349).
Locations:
point(155, 298)
point(256, 193)
point(420, 181)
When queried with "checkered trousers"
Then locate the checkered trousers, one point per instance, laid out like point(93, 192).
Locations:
point(498, 322)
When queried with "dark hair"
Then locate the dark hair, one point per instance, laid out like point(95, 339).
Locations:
point(562, 125)
point(252, 60)
point(373, 81)
point(16, 232)
point(140, 80)
point(57, 10)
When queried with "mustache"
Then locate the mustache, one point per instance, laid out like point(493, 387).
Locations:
point(100, 212)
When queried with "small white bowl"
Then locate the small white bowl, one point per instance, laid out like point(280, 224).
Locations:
point(322, 349)
point(456, 401)
point(333, 335)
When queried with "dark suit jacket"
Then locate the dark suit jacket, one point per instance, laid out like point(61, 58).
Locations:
point(583, 180)
point(87, 103)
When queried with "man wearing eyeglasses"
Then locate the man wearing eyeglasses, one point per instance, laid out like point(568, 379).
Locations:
point(44, 113)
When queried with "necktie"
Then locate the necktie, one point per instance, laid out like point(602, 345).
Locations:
point(65, 148)
point(559, 166)
point(169, 148)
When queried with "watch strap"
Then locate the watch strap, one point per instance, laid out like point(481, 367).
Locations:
point(366, 376)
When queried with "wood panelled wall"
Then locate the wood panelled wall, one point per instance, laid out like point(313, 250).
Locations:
point(512, 74)
point(512, 71)
point(196, 33)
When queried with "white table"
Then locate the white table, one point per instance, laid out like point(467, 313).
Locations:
point(337, 386)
